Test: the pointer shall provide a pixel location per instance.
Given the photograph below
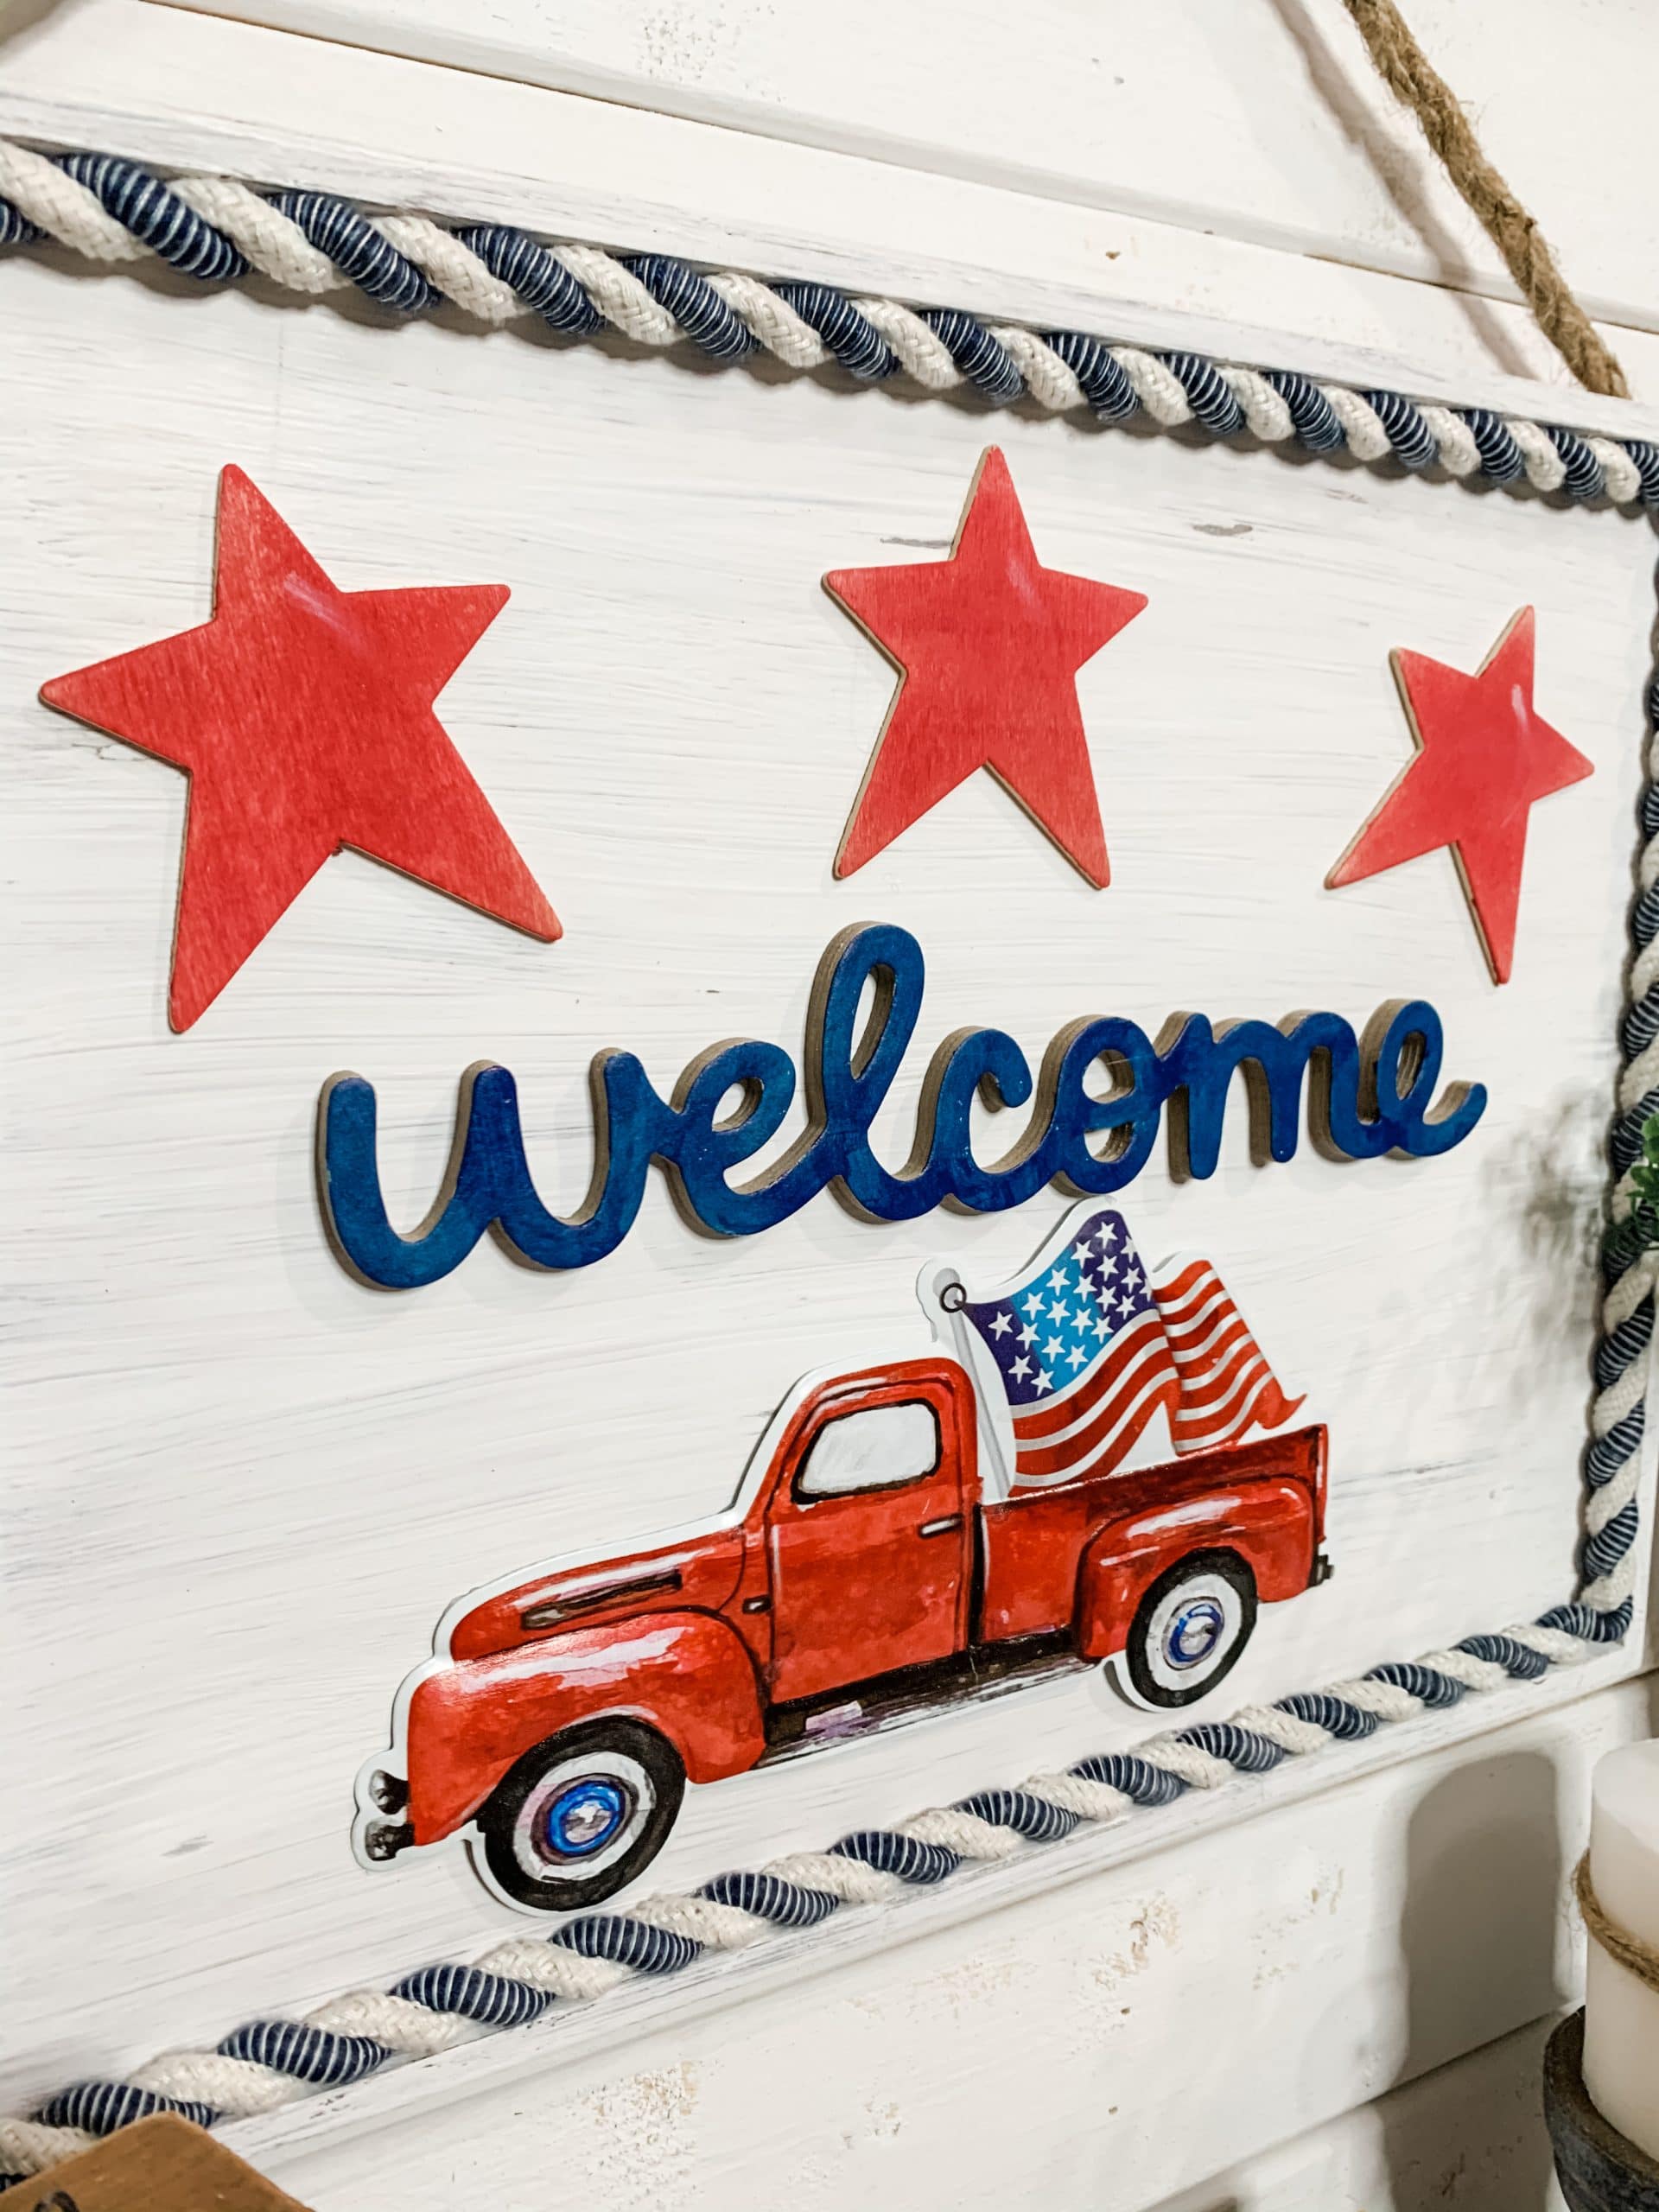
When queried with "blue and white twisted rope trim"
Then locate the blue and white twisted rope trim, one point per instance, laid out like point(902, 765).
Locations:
point(218, 230)
point(1618, 1414)
point(266, 2063)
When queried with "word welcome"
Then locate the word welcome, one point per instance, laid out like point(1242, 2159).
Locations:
point(1365, 1098)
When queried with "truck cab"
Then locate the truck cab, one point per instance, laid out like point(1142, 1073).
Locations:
point(864, 1531)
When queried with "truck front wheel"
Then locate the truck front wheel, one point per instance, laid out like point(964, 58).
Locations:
point(1188, 1631)
point(578, 1817)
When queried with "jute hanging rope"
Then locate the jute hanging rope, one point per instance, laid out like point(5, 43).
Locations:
point(1632, 1953)
point(1406, 70)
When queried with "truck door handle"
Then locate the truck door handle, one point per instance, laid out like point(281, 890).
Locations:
point(941, 1528)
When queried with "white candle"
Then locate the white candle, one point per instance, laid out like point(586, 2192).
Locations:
point(1621, 2016)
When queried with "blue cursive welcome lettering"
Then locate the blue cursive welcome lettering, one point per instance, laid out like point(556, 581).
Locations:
point(1365, 1097)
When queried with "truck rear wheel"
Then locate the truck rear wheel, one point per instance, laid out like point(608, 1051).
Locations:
point(577, 1817)
point(1188, 1631)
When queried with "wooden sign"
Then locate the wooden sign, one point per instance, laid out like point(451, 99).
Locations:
point(927, 1316)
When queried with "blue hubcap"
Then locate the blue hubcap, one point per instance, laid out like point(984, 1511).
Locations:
point(583, 1818)
point(1194, 1633)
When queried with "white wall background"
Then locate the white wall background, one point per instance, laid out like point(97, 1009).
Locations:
point(1210, 2025)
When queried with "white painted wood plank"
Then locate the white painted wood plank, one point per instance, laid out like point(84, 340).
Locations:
point(1264, 124)
point(205, 1395)
point(187, 90)
point(1150, 2035)
point(202, 1905)
point(1472, 2133)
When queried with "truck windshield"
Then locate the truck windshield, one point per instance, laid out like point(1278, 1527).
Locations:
point(874, 1448)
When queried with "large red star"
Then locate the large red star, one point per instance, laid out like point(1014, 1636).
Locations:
point(304, 717)
point(988, 643)
point(1484, 755)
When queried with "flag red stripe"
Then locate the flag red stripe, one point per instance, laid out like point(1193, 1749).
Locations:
point(1210, 1420)
point(1123, 1439)
point(1234, 1424)
point(1152, 1366)
point(1227, 1385)
point(1219, 1378)
point(1056, 1413)
point(1273, 1406)
point(1198, 1312)
point(1197, 1360)
point(1262, 1401)
point(1195, 1271)
point(1191, 1318)
point(1193, 1280)
point(1190, 1311)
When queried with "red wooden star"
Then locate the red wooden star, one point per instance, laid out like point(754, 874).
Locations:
point(303, 715)
point(1483, 756)
point(988, 643)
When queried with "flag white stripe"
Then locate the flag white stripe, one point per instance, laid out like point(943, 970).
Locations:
point(1119, 1344)
point(1250, 1381)
point(1242, 1420)
point(1109, 1443)
point(1216, 1354)
point(1154, 1383)
point(1223, 1385)
point(1191, 1319)
point(1178, 1311)
point(1155, 1348)
point(1187, 1351)
point(1205, 1391)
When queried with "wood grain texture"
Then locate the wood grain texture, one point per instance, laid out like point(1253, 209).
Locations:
point(181, 1461)
point(1354, 1944)
point(1471, 2131)
point(189, 91)
point(1181, 112)
point(314, 1469)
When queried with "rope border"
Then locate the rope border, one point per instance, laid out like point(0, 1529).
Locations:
point(217, 229)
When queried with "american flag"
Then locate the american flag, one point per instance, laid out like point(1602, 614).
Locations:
point(1082, 1354)
point(1227, 1386)
point(1088, 1351)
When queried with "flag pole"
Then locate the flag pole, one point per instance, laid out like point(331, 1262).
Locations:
point(943, 1295)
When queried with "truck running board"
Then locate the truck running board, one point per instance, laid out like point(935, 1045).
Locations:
point(915, 1693)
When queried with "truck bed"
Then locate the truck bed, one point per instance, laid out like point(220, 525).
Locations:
point(1032, 1542)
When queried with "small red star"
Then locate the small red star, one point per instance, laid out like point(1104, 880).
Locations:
point(1483, 756)
point(304, 717)
point(988, 643)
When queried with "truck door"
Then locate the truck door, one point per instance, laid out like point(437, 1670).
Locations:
point(867, 1540)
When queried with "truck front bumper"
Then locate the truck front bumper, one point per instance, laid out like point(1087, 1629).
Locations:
point(382, 1840)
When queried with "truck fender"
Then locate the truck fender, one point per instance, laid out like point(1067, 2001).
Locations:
point(690, 1675)
point(1269, 1524)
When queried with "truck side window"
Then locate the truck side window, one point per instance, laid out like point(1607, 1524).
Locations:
point(875, 1448)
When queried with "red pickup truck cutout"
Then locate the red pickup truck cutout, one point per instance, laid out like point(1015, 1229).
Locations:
point(1064, 1482)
